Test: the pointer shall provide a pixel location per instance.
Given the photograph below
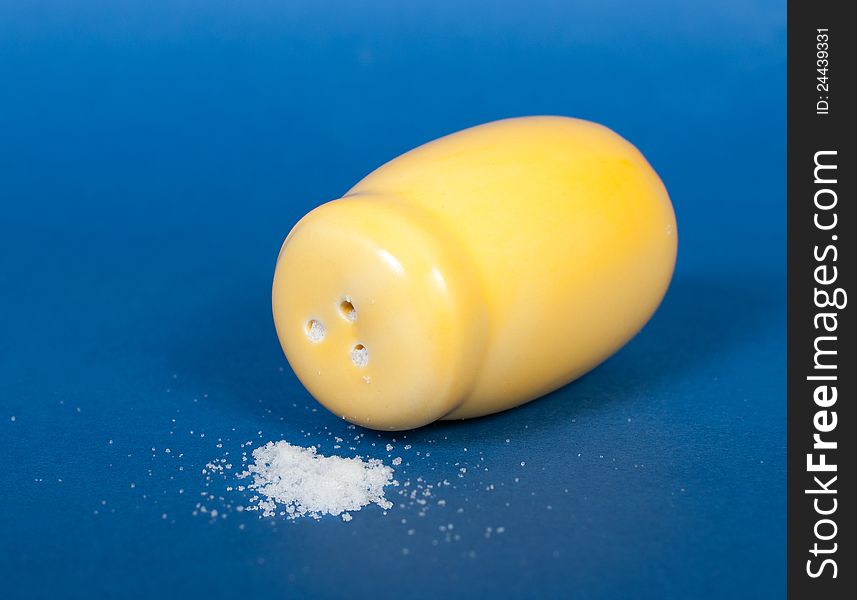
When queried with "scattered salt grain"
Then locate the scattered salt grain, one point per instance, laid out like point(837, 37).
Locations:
point(297, 482)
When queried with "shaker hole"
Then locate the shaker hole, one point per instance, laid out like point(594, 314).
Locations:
point(360, 356)
point(315, 330)
point(347, 310)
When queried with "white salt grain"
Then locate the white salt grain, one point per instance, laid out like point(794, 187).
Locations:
point(305, 483)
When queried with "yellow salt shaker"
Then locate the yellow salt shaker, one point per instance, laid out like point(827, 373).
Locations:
point(474, 273)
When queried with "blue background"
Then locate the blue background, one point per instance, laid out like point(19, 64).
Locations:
point(153, 155)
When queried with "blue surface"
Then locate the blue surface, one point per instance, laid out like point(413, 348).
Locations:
point(154, 155)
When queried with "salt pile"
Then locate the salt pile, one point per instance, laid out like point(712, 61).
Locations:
point(297, 482)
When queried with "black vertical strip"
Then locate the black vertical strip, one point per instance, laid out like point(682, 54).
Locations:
point(822, 366)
